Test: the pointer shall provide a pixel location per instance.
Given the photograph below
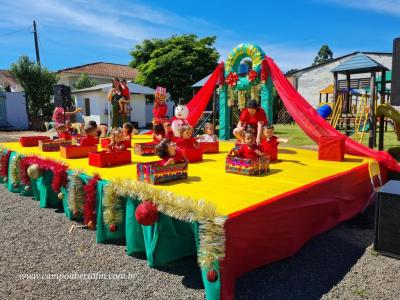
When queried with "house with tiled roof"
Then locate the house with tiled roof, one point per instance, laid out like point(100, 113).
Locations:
point(102, 72)
point(8, 82)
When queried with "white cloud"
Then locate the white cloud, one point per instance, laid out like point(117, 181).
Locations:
point(391, 7)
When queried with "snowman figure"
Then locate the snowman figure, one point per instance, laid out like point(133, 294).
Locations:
point(181, 113)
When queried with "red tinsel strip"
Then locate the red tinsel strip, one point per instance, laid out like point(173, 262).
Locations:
point(23, 167)
point(264, 70)
point(252, 75)
point(59, 170)
point(4, 164)
point(89, 207)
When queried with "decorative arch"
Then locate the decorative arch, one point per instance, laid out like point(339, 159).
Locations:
point(254, 52)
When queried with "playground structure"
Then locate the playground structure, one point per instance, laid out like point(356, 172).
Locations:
point(233, 223)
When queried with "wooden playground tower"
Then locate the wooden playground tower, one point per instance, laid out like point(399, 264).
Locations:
point(363, 113)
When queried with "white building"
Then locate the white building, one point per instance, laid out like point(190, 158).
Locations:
point(311, 80)
point(95, 106)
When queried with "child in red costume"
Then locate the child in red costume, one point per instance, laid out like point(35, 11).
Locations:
point(168, 152)
point(63, 133)
point(128, 131)
point(90, 138)
point(270, 142)
point(158, 133)
point(169, 134)
point(249, 149)
point(117, 138)
point(186, 140)
point(160, 108)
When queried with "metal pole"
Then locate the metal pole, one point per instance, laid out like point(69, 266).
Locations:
point(372, 136)
point(36, 43)
point(382, 117)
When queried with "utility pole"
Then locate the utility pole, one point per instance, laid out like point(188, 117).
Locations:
point(36, 42)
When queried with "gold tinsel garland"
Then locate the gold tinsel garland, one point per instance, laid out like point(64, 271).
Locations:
point(113, 207)
point(14, 165)
point(255, 92)
point(211, 224)
point(76, 195)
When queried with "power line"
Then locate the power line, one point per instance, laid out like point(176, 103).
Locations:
point(42, 48)
point(16, 31)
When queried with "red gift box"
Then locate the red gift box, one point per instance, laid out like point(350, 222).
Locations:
point(109, 158)
point(76, 151)
point(106, 141)
point(246, 166)
point(331, 148)
point(192, 154)
point(32, 141)
point(155, 173)
point(209, 147)
point(53, 146)
point(144, 148)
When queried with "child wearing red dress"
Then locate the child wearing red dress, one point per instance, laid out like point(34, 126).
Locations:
point(128, 131)
point(168, 152)
point(90, 138)
point(160, 108)
point(186, 140)
point(62, 132)
point(169, 134)
point(117, 138)
point(158, 133)
point(270, 143)
point(249, 149)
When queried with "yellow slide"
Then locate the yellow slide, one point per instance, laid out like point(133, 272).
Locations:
point(391, 113)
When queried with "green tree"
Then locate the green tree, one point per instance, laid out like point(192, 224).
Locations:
point(84, 82)
point(37, 83)
point(175, 63)
point(291, 71)
point(324, 54)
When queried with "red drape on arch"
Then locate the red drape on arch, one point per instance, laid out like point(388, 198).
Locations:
point(314, 125)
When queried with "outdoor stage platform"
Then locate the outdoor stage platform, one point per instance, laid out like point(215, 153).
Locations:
point(264, 218)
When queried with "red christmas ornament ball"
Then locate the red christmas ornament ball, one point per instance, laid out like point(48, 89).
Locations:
point(113, 227)
point(91, 224)
point(212, 276)
point(146, 213)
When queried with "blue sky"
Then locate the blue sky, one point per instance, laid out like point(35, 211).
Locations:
point(77, 32)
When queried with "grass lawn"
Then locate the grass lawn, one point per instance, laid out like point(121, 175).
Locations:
point(298, 138)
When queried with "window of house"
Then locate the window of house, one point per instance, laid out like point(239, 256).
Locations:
point(87, 107)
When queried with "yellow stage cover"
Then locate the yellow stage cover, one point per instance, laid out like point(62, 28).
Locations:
point(208, 180)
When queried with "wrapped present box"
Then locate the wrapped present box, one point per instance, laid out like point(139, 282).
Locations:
point(209, 147)
point(53, 146)
point(144, 148)
point(32, 141)
point(192, 154)
point(76, 151)
point(246, 166)
point(331, 148)
point(105, 159)
point(106, 141)
point(156, 173)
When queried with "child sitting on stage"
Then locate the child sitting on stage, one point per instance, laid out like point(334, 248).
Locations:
point(158, 133)
point(249, 149)
point(62, 132)
point(208, 136)
point(186, 140)
point(168, 152)
point(117, 138)
point(90, 138)
point(128, 131)
point(169, 134)
point(270, 142)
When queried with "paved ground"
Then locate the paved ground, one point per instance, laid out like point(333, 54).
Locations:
point(336, 265)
